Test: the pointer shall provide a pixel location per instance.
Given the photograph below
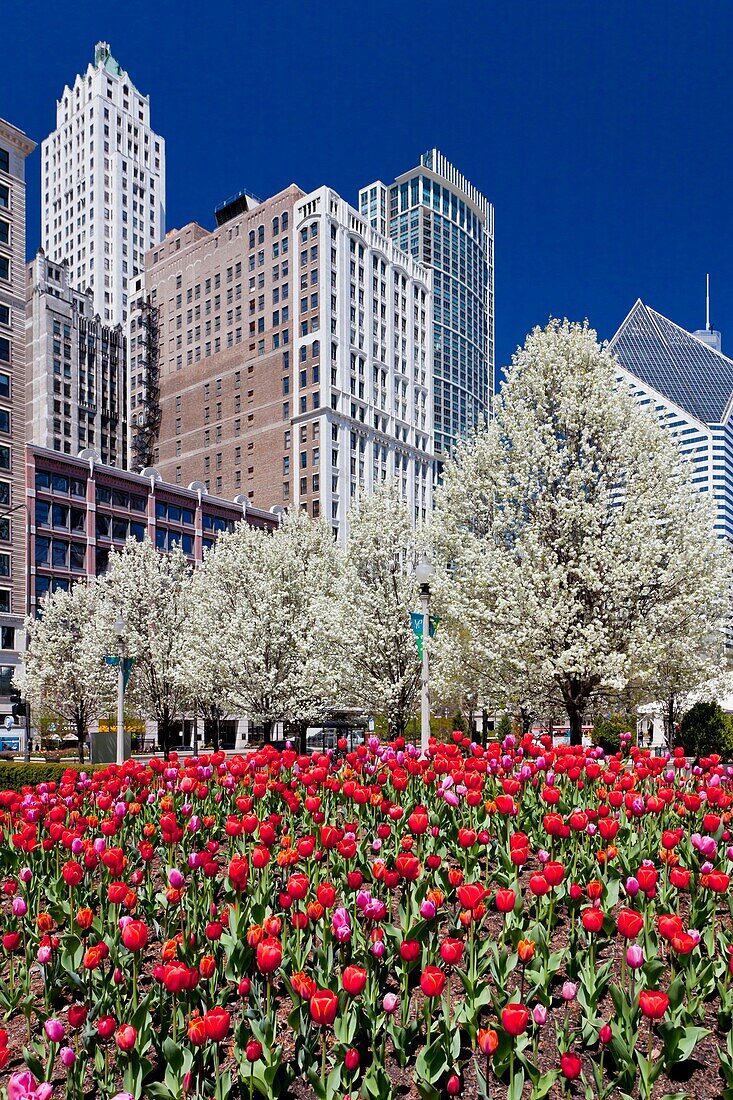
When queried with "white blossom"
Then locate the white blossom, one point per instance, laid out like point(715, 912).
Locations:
point(578, 552)
point(64, 670)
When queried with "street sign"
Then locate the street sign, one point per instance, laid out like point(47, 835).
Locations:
point(9, 723)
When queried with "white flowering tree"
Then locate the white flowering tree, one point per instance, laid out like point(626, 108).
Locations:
point(64, 671)
point(151, 593)
point(576, 546)
point(262, 636)
point(380, 663)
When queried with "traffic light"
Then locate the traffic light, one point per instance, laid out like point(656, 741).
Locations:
point(18, 704)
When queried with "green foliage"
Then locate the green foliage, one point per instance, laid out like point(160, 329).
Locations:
point(13, 777)
point(607, 731)
point(706, 729)
point(504, 727)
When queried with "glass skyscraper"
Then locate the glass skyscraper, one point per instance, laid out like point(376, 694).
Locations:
point(684, 380)
point(441, 219)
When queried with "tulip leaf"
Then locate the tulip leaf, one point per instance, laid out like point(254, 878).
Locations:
point(431, 1063)
point(542, 1086)
point(516, 1085)
point(690, 1038)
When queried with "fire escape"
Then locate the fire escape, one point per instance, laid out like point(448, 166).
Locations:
point(148, 426)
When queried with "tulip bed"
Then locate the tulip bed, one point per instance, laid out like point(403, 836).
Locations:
point(519, 920)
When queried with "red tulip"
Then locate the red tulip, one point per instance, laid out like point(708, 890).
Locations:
point(269, 955)
point(653, 1003)
point(514, 1019)
point(471, 895)
point(408, 867)
point(253, 1050)
point(298, 886)
point(629, 923)
point(323, 1007)
point(467, 837)
point(505, 900)
point(592, 919)
point(554, 873)
point(418, 821)
point(539, 885)
point(669, 925)
point(353, 980)
point(432, 981)
point(125, 1037)
point(570, 1065)
point(351, 1059)
point(77, 1016)
point(216, 1023)
point(105, 1026)
point(409, 950)
point(73, 873)
point(135, 935)
point(451, 951)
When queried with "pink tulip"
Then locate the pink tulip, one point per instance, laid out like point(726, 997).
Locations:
point(54, 1030)
point(390, 1003)
point(23, 1086)
point(67, 1056)
point(341, 925)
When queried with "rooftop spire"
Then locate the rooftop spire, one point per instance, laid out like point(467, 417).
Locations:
point(707, 303)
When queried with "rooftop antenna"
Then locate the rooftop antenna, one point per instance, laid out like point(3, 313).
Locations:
point(707, 303)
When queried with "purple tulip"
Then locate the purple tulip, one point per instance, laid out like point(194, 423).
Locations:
point(390, 1003)
point(67, 1056)
point(539, 1015)
point(19, 907)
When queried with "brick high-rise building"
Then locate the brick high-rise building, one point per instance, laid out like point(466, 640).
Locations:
point(76, 378)
point(14, 148)
point(211, 351)
point(286, 356)
point(102, 184)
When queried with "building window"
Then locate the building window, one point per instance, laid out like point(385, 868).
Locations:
point(7, 637)
point(4, 160)
point(4, 601)
point(4, 196)
point(4, 458)
point(4, 232)
point(5, 268)
point(4, 565)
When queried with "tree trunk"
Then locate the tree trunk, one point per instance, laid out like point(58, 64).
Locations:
point(669, 723)
point(80, 735)
point(575, 719)
point(267, 731)
point(484, 727)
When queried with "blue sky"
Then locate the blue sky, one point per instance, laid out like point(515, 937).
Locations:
point(600, 131)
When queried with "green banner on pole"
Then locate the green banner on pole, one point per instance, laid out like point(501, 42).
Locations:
point(416, 618)
point(127, 663)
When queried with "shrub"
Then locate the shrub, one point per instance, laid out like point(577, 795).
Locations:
point(607, 731)
point(504, 727)
point(705, 729)
point(13, 777)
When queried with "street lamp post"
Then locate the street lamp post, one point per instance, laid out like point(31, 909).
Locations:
point(119, 629)
point(424, 573)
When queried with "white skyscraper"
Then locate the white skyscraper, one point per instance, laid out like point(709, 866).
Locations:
point(103, 184)
point(362, 402)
